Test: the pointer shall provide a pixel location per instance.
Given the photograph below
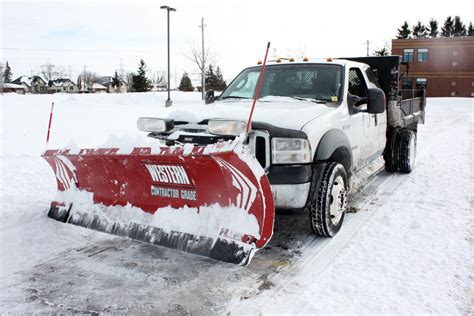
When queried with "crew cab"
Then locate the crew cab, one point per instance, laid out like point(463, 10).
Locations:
point(316, 123)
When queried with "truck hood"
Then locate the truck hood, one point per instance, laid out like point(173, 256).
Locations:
point(279, 111)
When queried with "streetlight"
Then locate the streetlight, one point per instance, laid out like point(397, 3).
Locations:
point(203, 70)
point(168, 8)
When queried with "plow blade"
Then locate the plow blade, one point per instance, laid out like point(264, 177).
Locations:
point(217, 205)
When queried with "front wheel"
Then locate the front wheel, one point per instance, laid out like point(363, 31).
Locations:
point(329, 204)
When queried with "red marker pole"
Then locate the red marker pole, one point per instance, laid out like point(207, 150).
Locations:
point(258, 88)
point(49, 125)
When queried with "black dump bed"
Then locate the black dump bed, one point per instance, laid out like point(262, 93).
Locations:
point(386, 69)
point(405, 107)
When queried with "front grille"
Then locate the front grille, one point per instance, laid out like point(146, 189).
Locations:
point(259, 143)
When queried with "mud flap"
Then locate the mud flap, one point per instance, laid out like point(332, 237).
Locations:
point(218, 205)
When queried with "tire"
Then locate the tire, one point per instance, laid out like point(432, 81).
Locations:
point(329, 203)
point(407, 151)
point(391, 152)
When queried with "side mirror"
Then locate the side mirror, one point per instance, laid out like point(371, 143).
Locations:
point(376, 101)
point(209, 96)
point(354, 100)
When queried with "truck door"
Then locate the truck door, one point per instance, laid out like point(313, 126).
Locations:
point(364, 122)
point(379, 120)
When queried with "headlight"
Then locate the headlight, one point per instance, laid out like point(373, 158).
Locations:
point(226, 128)
point(154, 125)
point(290, 150)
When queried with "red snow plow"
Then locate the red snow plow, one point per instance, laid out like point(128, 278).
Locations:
point(212, 200)
point(212, 205)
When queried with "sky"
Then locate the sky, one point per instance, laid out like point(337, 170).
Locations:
point(106, 35)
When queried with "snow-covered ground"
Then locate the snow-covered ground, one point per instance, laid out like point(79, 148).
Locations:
point(408, 249)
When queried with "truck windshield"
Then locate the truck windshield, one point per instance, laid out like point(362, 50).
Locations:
point(308, 82)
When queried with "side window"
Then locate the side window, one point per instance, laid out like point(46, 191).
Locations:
point(356, 83)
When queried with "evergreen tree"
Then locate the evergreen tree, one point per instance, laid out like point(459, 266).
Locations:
point(470, 31)
point(211, 79)
point(419, 30)
point(381, 52)
point(79, 82)
point(448, 27)
point(140, 82)
point(116, 81)
point(459, 28)
point(185, 84)
point(7, 74)
point(221, 84)
point(404, 31)
point(433, 28)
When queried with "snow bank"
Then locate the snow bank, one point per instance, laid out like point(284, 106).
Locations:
point(87, 120)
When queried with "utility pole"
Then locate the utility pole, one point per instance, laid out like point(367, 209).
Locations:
point(203, 70)
point(168, 9)
point(367, 43)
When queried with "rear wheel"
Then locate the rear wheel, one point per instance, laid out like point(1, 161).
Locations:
point(391, 153)
point(407, 151)
point(329, 204)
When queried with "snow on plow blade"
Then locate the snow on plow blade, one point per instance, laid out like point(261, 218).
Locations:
point(217, 205)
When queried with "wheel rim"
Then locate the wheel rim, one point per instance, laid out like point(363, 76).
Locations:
point(412, 154)
point(337, 200)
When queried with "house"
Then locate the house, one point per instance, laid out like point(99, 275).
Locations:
point(61, 85)
point(444, 66)
point(33, 84)
point(161, 87)
point(107, 81)
point(98, 88)
point(14, 88)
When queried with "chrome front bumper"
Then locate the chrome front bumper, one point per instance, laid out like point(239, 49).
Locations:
point(290, 196)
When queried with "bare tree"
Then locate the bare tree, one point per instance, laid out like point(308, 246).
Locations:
point(90, 77)
point(86, 79)
point(160, 79)
point(202, 62)
point(52, 72)
point(129, 80)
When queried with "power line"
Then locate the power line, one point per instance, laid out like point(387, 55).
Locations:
point(79, 50)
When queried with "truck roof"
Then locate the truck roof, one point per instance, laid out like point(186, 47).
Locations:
point(329, 61)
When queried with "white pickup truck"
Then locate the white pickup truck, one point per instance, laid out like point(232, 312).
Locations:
point(316, 123)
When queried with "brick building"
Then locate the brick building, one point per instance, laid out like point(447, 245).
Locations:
point(445, 66)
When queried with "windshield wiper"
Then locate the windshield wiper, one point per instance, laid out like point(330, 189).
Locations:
point(309, 99)
point(234, 97)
